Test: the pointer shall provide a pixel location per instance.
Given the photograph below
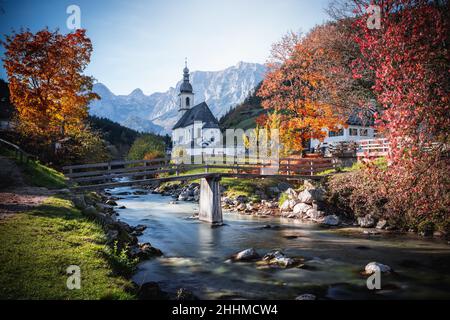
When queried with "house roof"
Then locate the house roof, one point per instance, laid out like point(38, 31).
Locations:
point(200, 112)
point(364, 118)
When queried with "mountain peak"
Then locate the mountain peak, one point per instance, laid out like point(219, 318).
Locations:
point(219, 89)
point(137, 93)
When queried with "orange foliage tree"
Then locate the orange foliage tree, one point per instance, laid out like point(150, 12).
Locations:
point(289, 92)
point(46, 81)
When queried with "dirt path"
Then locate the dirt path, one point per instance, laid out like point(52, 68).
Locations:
point(15, 195)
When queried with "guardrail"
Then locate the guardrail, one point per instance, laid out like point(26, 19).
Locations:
point(21, 155)
point(106, 171)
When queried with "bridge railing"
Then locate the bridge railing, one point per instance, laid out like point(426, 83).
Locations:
point(107, 171)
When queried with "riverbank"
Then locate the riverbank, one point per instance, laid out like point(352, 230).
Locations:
point(42, 233)
point(306, 201)
point(38, 246)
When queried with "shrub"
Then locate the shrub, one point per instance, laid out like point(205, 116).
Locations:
point(120, 261)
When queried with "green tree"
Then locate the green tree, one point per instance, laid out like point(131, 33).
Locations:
point(148, 146)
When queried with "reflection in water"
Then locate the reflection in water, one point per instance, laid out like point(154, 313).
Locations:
point(196, 256)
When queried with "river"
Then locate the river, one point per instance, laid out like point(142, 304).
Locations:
point(196, 256)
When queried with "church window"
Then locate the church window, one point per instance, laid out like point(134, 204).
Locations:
point(188, 102)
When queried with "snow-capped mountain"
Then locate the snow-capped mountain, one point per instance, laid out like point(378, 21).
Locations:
point(158, 112)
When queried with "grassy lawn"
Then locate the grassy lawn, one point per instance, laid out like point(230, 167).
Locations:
point(39, 175)
point(36, 174)
point(37, 246)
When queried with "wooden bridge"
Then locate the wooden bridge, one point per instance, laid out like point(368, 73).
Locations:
point(209, 171)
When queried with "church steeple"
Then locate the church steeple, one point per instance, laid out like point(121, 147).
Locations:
point(186, 93)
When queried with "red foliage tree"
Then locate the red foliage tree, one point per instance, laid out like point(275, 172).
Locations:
point(410, 58)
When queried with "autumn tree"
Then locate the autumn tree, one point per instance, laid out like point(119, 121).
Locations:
point(289, 92)
point(410, 58)
point(46, 81)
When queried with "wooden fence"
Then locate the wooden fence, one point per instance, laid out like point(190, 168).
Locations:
point(107, 171)
point(21, 155)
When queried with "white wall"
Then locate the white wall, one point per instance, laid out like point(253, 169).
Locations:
point(346, 137)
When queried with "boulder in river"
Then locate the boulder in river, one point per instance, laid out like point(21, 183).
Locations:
point(331, 220)
point(111, 202)
point(279, 259)
point(367, 221)
point(301, 208)
point(291, 193)
point(373, 267)
point(144, 251)
point(246, 255)
point(314, 214)
point(382, 224)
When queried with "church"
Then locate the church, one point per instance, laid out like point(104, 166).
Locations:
point(197, 130)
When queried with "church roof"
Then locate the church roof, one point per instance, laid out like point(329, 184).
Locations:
point(199, 112)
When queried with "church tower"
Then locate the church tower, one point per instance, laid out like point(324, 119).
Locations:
point(186, 96)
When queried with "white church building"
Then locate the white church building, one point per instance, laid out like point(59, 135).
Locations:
point(197, 130)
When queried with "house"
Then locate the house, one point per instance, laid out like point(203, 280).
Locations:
point(359, 126)
point(197, 130)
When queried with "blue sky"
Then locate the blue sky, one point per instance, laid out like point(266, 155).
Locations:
point(142, 44)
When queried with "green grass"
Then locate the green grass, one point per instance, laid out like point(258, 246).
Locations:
point(37, 174)
point(381, 163)
point(37, 246)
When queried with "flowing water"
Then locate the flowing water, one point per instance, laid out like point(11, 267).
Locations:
point(196, 256)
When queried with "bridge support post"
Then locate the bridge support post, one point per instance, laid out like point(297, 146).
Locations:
point(210, 209)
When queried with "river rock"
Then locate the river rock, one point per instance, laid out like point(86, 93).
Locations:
point(241, 207)
point(241, 199)
point(151, 291)
point(314, 214)
point(308, 184)
point(104, 207)
point(331, 220)
point(140, 227)
point(111, 202)
point(372, 267)
point(183, 196)
point(227, 201)
point(144, 251)
point(301, 208)
point(245, 255)
point(366, 222)
point(112, 236)
point(305, 197)
point(278, 258)
point(382, 224)
point(249, 207)
point(90, 211)
point(292, 194)
point(79, 202)
point(311, 195)
point(273, 191)
point(306, 296)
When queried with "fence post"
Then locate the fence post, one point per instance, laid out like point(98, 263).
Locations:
point(311, 167)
